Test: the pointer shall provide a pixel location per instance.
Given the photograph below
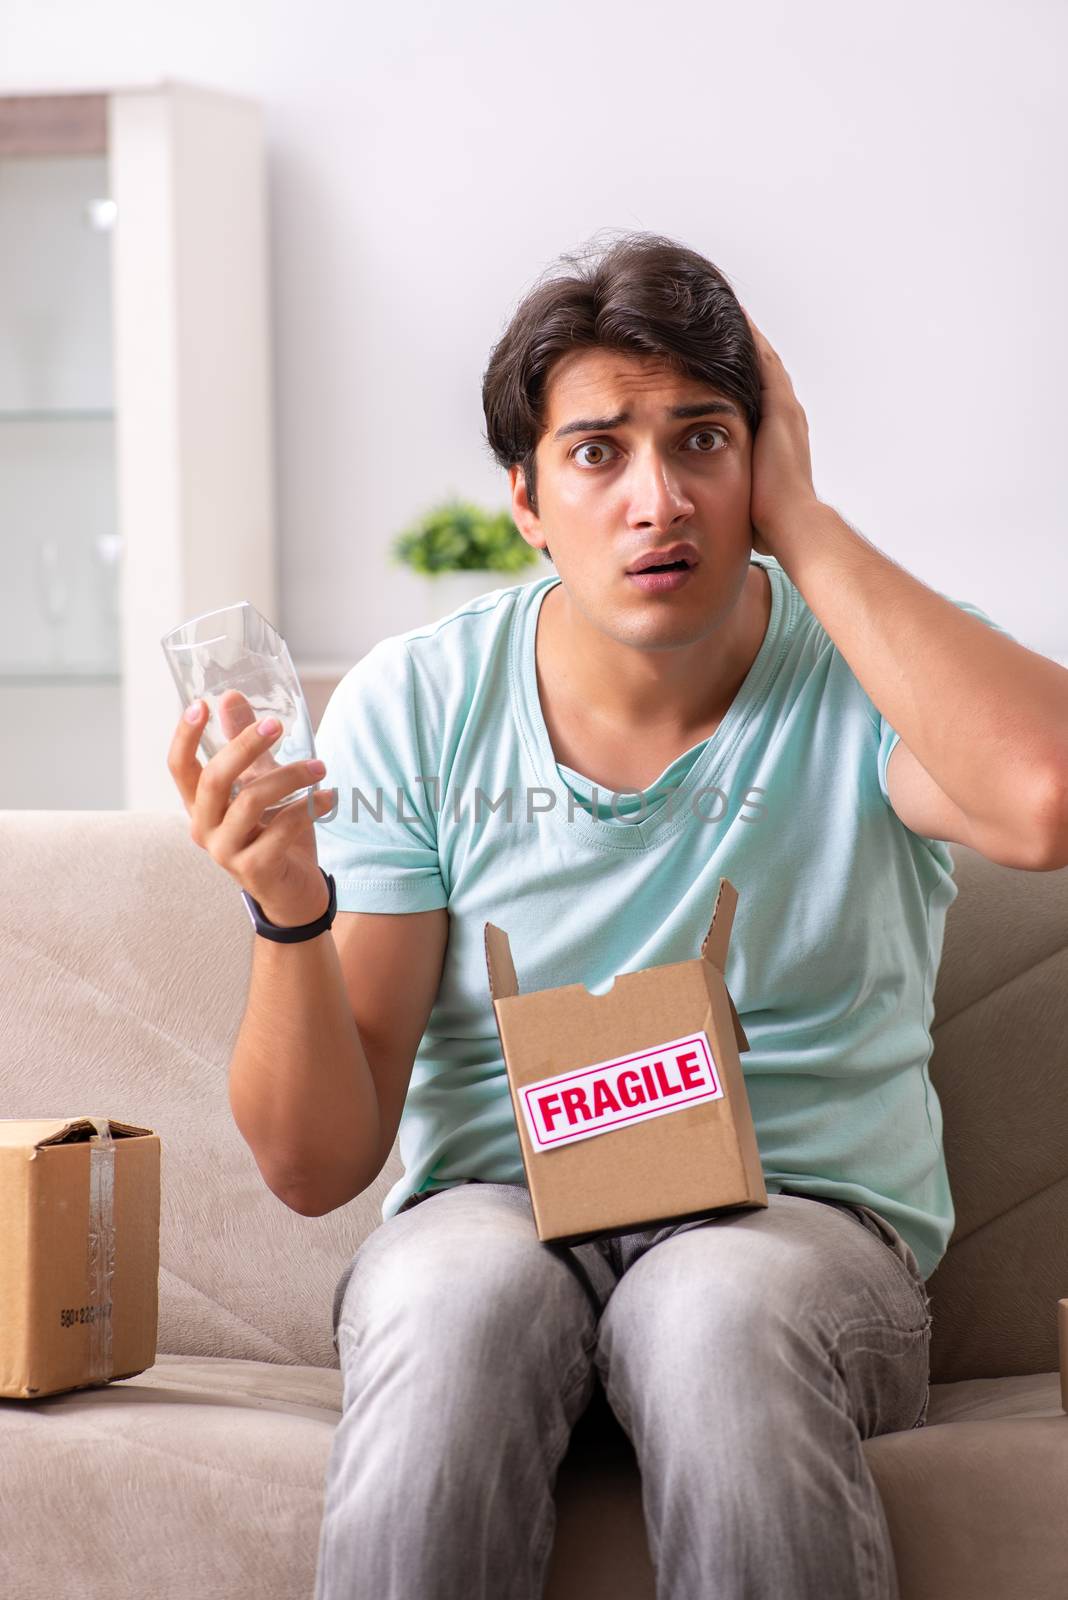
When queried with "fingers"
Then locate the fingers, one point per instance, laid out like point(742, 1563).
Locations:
point(273, 842)
point(207, 789)
point(235, 715)
point(760, 340)
point(764, 351)
point(182, 761)
point(773, 371)
point(234, 712)
point(243, 821)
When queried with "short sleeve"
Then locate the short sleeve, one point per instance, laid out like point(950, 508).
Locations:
point(380, 842)
point(888, 736)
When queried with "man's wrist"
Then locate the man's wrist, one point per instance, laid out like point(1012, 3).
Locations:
point(290, 931)
point(292, 919)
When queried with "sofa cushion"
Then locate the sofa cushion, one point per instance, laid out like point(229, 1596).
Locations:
point(998, 1066)
point(976, 1500)
point(206, 1475)
point(198, 1477)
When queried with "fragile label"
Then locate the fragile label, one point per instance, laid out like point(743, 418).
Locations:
point(617, 1093)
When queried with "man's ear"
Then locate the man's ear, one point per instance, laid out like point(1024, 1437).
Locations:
point(523, 517)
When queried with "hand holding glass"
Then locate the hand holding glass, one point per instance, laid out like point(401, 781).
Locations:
point(239, 665)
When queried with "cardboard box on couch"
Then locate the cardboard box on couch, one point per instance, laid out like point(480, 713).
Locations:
point(631, 1105)
point(79, 1267)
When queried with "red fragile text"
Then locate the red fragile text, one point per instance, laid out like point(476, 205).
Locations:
point(611, 1094)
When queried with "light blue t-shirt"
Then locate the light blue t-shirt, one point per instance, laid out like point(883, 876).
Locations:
point(437, 733)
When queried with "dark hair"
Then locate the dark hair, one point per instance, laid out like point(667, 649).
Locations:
point(647, 295)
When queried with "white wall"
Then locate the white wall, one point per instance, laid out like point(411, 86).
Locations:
point(880, 186)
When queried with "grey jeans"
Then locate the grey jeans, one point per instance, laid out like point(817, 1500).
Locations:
point(746, 1357)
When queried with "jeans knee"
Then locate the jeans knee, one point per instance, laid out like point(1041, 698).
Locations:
point(480, 1311)
point(731, 1343)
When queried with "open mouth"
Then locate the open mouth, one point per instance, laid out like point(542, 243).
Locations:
point(664, 577)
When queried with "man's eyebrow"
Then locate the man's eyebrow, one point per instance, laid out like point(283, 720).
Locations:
point(697, 408)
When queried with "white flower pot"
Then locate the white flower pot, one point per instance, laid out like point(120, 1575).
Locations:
point(448, 591)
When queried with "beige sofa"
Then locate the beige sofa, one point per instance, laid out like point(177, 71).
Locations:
point(124, 958)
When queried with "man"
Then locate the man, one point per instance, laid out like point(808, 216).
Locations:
point(580, 760)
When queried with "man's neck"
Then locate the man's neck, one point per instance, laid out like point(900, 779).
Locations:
point(666, 696)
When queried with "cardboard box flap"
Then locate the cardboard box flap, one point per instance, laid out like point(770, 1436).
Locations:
point(739, 1032)
point(504, 984)
point(716, 940)
point(502, 978)
point(714, 948)
point(59, 1130)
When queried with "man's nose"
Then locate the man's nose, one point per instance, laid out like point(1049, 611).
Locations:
point(658, 495)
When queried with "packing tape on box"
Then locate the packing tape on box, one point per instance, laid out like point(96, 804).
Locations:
point(101, 1248)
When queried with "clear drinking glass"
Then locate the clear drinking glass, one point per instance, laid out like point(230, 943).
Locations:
point(237, 649)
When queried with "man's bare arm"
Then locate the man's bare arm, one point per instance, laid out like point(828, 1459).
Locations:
point(325, 1053)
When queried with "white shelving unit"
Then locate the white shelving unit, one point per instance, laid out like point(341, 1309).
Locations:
point(136, 475)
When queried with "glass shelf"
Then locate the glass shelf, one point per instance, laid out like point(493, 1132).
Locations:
point(59, 605)
point(59, 544)
point(59, 414)
point(39, 677)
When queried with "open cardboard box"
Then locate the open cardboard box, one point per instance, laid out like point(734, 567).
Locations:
point(79, 1268)
point(631, 1105)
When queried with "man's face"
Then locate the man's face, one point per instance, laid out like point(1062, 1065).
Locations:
point(608, 493)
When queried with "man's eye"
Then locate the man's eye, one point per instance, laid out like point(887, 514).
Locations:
point(592, 444)
point(600, 444)
point(705, 432)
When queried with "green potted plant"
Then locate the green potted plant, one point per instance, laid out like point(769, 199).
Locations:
point(460, 550)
